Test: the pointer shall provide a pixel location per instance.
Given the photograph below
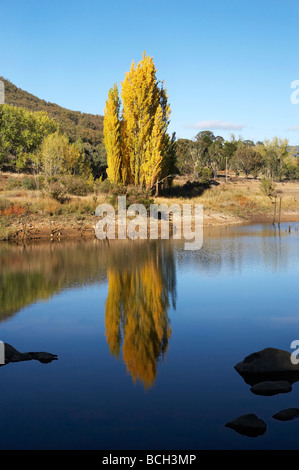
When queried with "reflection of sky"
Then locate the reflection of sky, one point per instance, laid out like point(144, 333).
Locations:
point(263, 250)
point(252, 280)
point(237, 295)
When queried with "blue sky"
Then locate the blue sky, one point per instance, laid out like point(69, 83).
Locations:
point(228, 65)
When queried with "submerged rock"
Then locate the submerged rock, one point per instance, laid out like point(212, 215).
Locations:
point(12, 355)
point(287, 414)
point(269, 364)
point(248, 425)
point(271, 388)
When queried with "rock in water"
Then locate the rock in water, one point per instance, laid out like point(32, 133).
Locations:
point(248, 425)
point(271, 388)
point(268, 364)
point(13, 355)
point(287, 415)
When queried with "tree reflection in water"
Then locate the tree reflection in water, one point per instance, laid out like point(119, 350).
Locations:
point(142, 286)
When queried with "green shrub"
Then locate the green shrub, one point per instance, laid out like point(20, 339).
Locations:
point(40, 182)
point(29, 183)
point(291, 171)
point(87, 208)
point(139, 196)
point(134, 195)
point(103, 186)
point(57, 191)
point(13, 183)
point(77, 186)
point(205, 175)
point(267, 187)
point(4, 204)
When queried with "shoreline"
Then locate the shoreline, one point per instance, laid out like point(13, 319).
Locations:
point(61, 228)
point(238, 201)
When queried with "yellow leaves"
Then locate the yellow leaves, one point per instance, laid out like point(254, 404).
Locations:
point(112, 320)
point(277, 145)
point(151, 168)
point(71, 158)
point(112, 139)
point(134, 142)
point(58, 156)
point(137, 304)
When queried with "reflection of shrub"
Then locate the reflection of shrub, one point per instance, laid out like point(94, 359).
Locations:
point(267, 187)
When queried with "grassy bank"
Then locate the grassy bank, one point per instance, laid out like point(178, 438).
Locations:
point(32, 213)
point(242, 200)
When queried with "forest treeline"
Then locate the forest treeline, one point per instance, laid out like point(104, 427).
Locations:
point(206, 155)
point(83, 129)
point(130, 144)
point(141, 152)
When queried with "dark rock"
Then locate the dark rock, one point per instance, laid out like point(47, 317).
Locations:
point(287, 415)
point(271, 388)
point(269, 364)
point(12, 355)
point(248, 425)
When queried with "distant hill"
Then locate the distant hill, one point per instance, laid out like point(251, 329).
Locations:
point(88, 127)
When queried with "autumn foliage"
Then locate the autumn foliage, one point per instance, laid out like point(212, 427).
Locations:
point(137, 144)
point(137, 313)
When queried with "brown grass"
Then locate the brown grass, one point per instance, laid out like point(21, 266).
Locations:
point(237, 201)
point(243, 198)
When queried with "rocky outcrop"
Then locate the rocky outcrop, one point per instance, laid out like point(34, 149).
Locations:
point(248, 425)
point(12, 355)
point(268, 389)
point(269, 364)
point(269, 372)
point(287, 414)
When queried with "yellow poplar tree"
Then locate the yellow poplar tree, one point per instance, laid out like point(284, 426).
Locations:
point(139, 148)
point(112, 136)
point(151, 167)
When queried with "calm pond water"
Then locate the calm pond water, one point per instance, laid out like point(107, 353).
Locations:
point(147, 336)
